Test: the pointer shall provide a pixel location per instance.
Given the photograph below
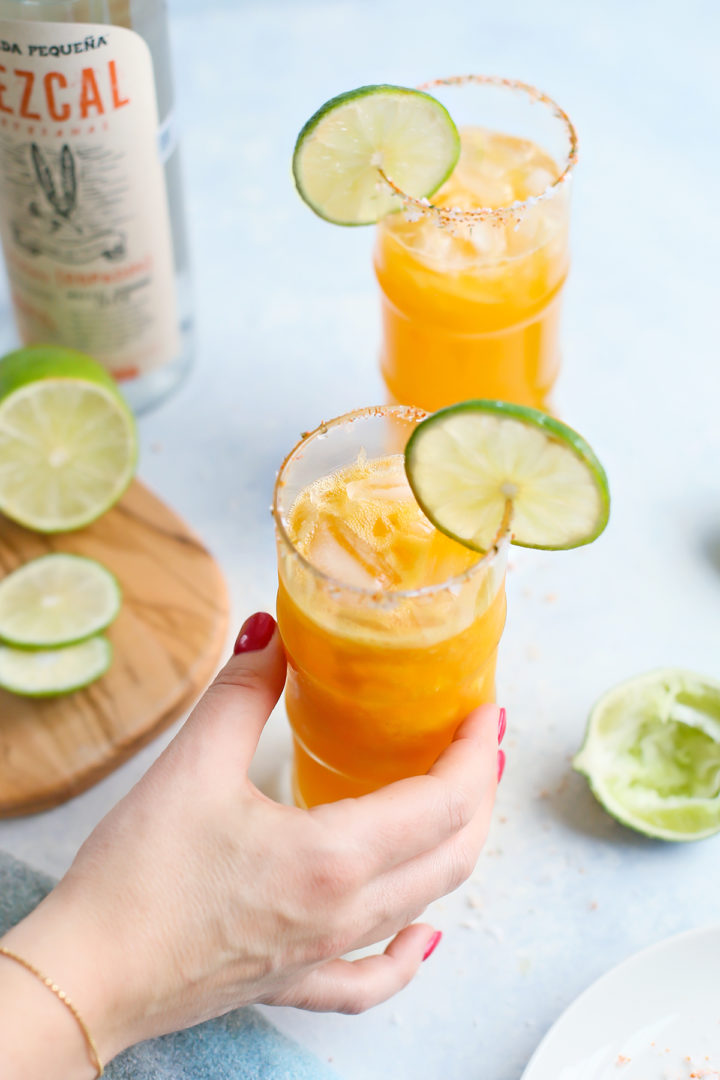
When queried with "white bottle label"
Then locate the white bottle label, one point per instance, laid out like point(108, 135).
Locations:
point(83, 204)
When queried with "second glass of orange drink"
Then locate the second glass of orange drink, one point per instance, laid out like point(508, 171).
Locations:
point(391, 628)
point(471, 278)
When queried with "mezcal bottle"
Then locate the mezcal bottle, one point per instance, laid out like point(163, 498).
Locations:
point(91, 215)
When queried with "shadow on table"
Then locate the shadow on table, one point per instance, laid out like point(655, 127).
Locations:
point(570, 800)
point(710, 547)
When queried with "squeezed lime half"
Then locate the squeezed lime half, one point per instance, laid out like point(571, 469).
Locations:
point(652, 754)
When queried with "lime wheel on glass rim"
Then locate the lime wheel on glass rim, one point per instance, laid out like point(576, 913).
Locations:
point(68, 442)
point(480, 466)
point(356, 138)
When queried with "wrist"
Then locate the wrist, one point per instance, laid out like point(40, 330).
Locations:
point(61, 942)
point(39, 1036)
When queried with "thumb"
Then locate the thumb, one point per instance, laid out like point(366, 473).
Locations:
point(234, 709)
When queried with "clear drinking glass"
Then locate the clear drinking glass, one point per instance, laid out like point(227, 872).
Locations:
point(379, 677)
point(471, 280)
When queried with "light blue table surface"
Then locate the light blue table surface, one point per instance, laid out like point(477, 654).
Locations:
point(288, 335)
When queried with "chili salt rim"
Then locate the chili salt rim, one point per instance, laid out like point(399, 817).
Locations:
point(449, 216)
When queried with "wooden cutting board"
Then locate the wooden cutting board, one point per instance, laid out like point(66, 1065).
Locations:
point(167, 642)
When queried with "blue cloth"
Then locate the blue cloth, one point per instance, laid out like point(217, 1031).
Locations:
point(239, 1046)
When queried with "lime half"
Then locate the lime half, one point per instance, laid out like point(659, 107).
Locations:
point(57, 600)
point(68, 445)
point(652, 754)
point(473, 464)
point(340, 151)
point(50, 672)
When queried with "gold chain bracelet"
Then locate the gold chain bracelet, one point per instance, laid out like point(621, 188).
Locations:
point(46, 981)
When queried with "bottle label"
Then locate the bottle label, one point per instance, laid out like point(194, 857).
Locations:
point(83, 205)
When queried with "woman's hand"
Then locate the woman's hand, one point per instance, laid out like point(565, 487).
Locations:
point(197, 894)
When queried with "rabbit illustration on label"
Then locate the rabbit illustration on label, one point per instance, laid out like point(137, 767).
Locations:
point(53, 224)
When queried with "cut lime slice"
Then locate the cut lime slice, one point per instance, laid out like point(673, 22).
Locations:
point(68, 444)
point(49, 672)
point(471, 463)
point(652, 754)
point(342, 148)
point(57, 600)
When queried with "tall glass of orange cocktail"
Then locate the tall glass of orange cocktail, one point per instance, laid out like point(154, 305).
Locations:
point(390, 627)
point(471, 280)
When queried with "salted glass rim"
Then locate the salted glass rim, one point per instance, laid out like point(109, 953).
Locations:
point(449, 216)
point(409, 412)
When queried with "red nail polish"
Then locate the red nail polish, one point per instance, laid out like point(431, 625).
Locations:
point(432, 944)
point(502, 725)
point(255, 633)
point(501, 764)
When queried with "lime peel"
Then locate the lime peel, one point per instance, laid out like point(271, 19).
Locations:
point(651, 754)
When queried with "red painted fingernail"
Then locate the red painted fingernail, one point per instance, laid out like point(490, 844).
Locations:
point(501, 764)
point(255, 633)
point(432, 944)
point(502, 725)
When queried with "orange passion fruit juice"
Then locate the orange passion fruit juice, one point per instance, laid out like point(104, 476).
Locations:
point(471, 286)
point(391, 628)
